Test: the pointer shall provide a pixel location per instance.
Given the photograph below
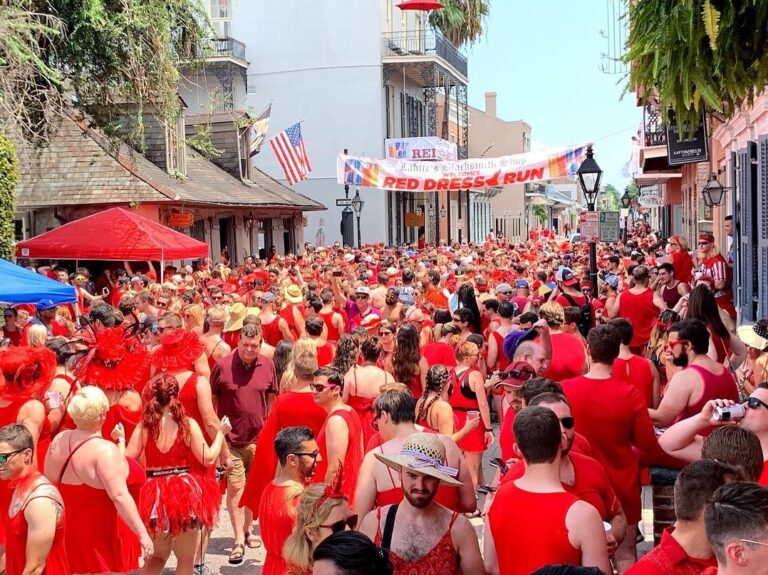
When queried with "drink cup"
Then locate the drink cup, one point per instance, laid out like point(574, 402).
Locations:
point(473, 414)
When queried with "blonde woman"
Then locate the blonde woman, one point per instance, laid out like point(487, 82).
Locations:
point(193, 318)
point(754, 370)
point(322, 511)
point(37, 335)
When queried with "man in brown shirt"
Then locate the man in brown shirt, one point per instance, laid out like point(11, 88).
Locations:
point(243, 385)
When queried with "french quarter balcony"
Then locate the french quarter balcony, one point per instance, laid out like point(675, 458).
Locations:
point(653, 146)
point(417, 47)
point(224, 49)
point(654, 132)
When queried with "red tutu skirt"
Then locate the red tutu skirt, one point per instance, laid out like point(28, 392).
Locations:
point(173, 503)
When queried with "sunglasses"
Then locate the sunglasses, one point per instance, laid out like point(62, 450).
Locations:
point(320, 387)
point(217, 298)
point(342, 525)
point(567, 422)
point(313, 454)
point(385, 333)
point(755, 403)
point(361, 296)
point(4, 457)
point(703, 243)
point(672, 344)
point(162, 304)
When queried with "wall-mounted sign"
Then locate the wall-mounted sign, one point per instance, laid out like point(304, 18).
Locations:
point(589, 227)
point(181, 219)
point(609, 227)
point(687, 148)
point(414, 220)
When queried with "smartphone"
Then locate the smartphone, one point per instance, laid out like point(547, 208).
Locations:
point(105, 291)
point(337, 274)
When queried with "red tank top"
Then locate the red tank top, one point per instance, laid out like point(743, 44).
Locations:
point(670, 295)
point(529, 529)
point(640, 310)
point(636, 371)
point(271, 332)
point(501, 359)
point(177, 456)
point(352, 459)
point(333, 333)
point(287, 314)
point(722, 386)
point(442, 559)
point(16, 529)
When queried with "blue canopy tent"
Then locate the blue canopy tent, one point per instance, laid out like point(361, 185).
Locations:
point(19, 285)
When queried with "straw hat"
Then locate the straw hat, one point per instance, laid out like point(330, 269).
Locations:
point(236, 315)
point(293, 294)
point(755, 336)
point(422, 453)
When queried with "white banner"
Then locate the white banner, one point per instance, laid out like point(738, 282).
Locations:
point(472, 174)
point(423, 148)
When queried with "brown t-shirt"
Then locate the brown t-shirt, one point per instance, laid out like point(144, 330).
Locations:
point(241, 394)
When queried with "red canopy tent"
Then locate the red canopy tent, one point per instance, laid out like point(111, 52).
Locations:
point(115, 234)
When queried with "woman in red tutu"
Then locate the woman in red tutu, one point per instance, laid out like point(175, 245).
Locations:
point(173, 505)
point(91, 474)
point(290, 409)
point(469, 396)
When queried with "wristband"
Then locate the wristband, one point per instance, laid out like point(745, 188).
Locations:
point(489, 430)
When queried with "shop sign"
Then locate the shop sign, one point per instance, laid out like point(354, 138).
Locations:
point(688, 148)
point(423, 148)
point(181, 219)
point(414, 220)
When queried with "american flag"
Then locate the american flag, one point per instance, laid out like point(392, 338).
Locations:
point(289, 148)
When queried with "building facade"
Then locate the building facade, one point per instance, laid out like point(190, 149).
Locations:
point(375, 73)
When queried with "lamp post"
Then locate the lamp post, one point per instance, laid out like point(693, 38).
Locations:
point(713, 192)
point(590, 175)
point(625, 203)
point(357, 205)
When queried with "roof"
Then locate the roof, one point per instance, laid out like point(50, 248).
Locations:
point(122, 234)
point(79, 166)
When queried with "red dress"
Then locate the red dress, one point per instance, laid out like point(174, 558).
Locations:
point(92, 529)
point(290, 409)
point(278, 516)
point(442, 559)
point(363, 406)
point(271, 332)
point(171, 499)
point(463, 400)
point(352, 459)
point(568, 357)
point(613, 417)
point(440, 353)
point(529, 529)
point(636, 371)
point(333, 333)
point(16, 528)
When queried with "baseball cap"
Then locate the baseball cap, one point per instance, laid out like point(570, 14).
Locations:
point(363, 290)
point(517, 374)
point(515, 338)
point(567, 277)
point(522, 284)
point(503, 288)
point(136, 279)
point(268, 297)
point(406, 298)
point(612, 280)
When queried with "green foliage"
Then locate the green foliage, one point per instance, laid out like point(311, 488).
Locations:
point(105, 53)
point(541, 213)
point(9, 177)
point(461, 21)
point(698, 53)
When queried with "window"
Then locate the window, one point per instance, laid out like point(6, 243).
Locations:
point(220, 9)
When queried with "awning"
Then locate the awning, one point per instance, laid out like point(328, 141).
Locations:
point(115, 234)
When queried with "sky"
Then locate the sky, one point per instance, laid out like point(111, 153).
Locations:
point(542, 58)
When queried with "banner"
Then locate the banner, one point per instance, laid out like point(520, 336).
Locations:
point(472, 174)
point(422, 148)
point(259, 127)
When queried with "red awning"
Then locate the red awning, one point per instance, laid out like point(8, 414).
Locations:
point(114, 234)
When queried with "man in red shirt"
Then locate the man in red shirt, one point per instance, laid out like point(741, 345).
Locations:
point(11, 331)
point(533, 521)
point(433, 294)
point(613, 417)
point(684, 549)
point(581, 475)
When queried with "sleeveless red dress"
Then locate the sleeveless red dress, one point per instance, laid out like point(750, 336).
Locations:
point(271, 331)
point(352, 459)
point(16, 528)
point(92, 531)
point(212, 488)
point(474, 441)
point(289, 409)
point(529, 529)
point(640, 310)
point(363, 406)
point(172, 497)
point(636, 371)
point(278, 516)
point(333, 333)
point(442, 559)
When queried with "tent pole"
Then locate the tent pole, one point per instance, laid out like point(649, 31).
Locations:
point(162, 269)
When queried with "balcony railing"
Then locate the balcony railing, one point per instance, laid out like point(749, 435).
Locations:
point(424, 44)
point(655, 133)
point(224, 48)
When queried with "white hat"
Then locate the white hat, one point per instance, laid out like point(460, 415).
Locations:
point(423, 453)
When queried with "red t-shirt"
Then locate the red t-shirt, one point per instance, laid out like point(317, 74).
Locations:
point(439, 353)
point(591, 484)
point(568, 357)
point(764, 475)
point(507, 439)
point(613, 417)
point(523, 545)
point(669, 558)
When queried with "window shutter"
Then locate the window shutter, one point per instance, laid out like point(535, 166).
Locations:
point(762, 239)
point(748, 238)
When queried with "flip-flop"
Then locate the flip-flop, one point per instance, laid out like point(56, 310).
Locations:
point(253, 541)
point(237, 554)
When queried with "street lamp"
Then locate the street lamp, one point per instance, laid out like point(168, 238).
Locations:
point(590, 174)
point(713, 192)
point(625, 203)
point(625, 199)
point(357, 205)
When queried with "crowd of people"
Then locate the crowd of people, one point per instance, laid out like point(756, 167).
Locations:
point(346, 399)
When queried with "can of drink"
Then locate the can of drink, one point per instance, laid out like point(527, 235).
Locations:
point(730, 413)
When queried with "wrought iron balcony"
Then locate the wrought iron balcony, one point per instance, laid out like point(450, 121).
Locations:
point(654, 131)
point(225, 48)
point(432, 43)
